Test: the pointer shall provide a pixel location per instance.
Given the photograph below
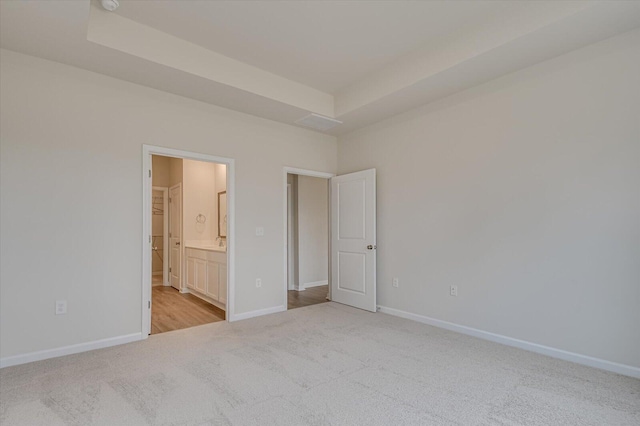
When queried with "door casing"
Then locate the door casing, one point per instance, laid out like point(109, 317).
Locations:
point(147, 152)
point(175, 221)
point(302, 172)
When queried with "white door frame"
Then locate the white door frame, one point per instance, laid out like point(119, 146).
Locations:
point(147, 152)
point(180, 226)
point(165, 232)
point(289, 236)
point(285, 210)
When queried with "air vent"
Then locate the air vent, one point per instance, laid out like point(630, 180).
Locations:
point(318, 122)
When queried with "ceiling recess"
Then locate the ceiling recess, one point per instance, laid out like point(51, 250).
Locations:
point(318, 122)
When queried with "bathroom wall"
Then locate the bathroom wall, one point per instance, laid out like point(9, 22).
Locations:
point(199, 197)
point(161, 172)
point(175, 171)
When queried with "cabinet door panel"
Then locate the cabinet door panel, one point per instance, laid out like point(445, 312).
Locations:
point(201, 275)
point(191, 272)
point(212, 279)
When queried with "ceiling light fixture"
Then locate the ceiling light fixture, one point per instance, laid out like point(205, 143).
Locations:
point(110, 5)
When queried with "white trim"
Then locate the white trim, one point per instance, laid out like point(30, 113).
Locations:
point(303, 172)
point(314, 284)
point(69, 350)
point(602, 364)
point(147, 152)
point(259, 313)
point(289, 237)
point(181, 275)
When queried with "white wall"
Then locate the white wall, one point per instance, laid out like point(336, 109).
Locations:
point(523, 192)
point(199, 198)
point(313, 231)
point(71, 140)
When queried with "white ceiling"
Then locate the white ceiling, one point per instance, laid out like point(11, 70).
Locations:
point(326, 45)
point(357, 61)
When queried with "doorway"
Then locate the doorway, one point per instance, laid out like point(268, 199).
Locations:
point(307, 237)
point(197, 254)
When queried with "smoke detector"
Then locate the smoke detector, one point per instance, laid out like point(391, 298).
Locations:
point(318, 122)
point(110, 5)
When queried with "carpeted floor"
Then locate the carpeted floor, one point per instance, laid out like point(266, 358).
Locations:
point(322, 364)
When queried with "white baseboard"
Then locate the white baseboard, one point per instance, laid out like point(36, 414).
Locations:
point(68, 350)
point(315, 284)
point(259, 312)
point(602, 364)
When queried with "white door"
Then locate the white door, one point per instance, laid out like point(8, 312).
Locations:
point(175, 228)
point(353, 239)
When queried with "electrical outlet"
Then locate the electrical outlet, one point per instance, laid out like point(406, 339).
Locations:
point(61, 307)
point(258, 283)
point(259, 231)
point(453, 290)
point(395, 282)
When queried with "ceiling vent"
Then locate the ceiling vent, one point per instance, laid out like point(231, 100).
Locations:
point(318, 122)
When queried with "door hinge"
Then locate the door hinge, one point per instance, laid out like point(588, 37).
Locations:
point(149, 304)
point(169, 268)
point(149, 239)
point(170, 199)
point(149, 173)
point(169, 234)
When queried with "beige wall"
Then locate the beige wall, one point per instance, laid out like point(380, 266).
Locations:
point(523, 192)
point(82, 133)
point(199, 198)
point(313, 231)
point(161, 172)
point(175, 171)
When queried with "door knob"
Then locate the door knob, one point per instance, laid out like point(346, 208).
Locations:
point(178, 243)
point(370, 247)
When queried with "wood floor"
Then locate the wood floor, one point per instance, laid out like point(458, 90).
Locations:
point(310, 296)
point(172, 310)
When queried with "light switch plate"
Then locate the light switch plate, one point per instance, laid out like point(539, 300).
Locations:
point(259, 231)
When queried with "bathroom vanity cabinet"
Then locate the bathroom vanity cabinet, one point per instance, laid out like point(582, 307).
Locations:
point(206, 274)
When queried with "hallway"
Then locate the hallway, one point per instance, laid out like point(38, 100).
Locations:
point(310, 296)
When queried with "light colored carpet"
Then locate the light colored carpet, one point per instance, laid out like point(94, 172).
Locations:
point(323, 364)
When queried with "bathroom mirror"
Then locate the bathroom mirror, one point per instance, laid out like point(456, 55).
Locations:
point(222, 214)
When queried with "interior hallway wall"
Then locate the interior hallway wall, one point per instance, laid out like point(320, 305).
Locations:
point(525, 193)
point(53, 129)
point(313, 231)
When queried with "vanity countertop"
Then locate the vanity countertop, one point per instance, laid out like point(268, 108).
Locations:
point(204, 245)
